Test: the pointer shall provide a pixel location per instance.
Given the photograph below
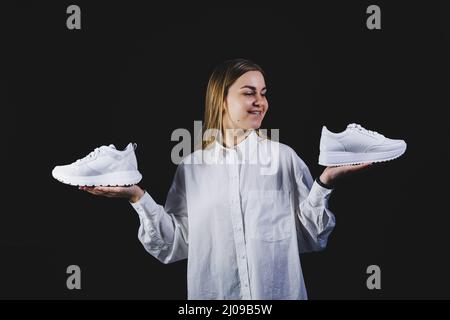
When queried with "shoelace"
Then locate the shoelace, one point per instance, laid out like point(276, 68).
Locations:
point(90, 155)
point(360, 128)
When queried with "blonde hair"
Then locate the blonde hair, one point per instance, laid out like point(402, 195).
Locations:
point(223, 76)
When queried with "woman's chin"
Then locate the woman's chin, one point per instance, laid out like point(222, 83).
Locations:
point(255, 125)
point(252, 125)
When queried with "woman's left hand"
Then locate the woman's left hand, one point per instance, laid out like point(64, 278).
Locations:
point(331, 174)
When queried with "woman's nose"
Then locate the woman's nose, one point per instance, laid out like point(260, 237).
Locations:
point(259, 101)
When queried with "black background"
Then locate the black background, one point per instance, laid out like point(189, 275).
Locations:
point(136, 71)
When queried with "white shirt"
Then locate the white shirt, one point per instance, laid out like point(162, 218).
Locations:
point(242, 216)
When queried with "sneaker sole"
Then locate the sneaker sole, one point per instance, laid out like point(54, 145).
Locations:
point(113, 179)
point(349, 158)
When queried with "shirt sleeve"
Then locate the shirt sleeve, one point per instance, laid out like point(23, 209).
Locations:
point(163, 231)
point(315, 220)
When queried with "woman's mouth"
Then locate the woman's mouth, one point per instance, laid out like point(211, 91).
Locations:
point(255, 113)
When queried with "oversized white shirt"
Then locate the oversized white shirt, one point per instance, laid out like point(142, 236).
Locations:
point(241, 216)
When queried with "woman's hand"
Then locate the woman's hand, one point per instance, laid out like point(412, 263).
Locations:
point(132, 193)
point(331, 174)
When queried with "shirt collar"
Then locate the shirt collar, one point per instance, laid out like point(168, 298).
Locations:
point(245, 151)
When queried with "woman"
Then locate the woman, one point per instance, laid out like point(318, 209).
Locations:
point(242, 208)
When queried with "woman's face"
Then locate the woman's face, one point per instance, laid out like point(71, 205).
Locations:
point(246, 102)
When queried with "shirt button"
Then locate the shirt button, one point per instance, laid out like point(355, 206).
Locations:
point(243, 256)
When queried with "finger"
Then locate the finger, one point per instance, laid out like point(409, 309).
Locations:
point(359, 166)
point(86, 188)
point(106, 189)
point(102, 191)
point(365, 165)
point(108, 195)
point(116, 189)
point(113, 194)
point(94, 192)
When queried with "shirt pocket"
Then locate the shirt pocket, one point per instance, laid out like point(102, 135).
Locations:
point(269, 215)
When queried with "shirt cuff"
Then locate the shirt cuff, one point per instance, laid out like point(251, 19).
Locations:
point(318, 194)
point(145, 206)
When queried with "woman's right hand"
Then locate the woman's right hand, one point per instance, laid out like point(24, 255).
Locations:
point(132, 193)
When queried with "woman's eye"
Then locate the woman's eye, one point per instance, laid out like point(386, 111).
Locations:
point(252, 93)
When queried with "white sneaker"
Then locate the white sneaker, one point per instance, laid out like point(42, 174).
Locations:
point(357, 145)
point(105, 166)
